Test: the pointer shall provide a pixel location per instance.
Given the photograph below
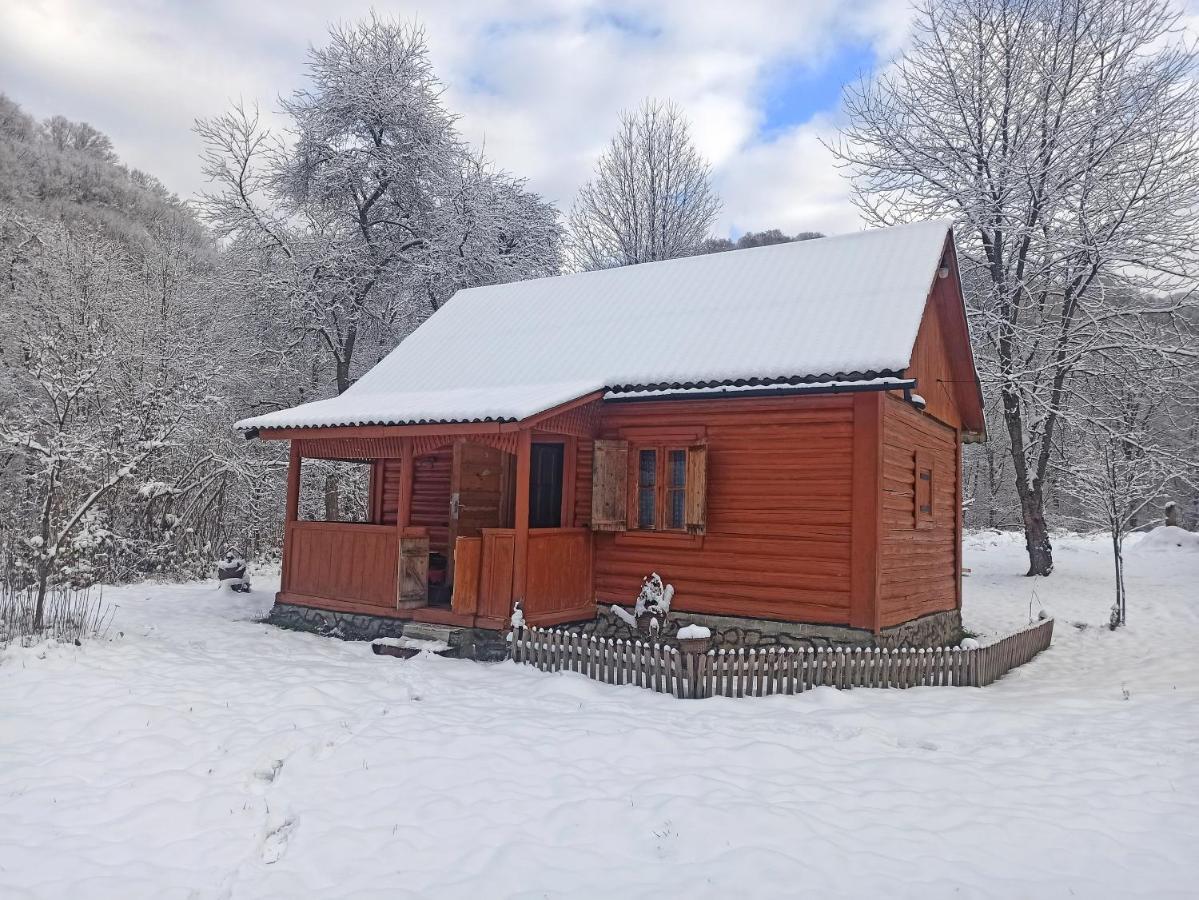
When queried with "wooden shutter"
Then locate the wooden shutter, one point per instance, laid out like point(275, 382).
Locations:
point(609, 484)
point(696, 493)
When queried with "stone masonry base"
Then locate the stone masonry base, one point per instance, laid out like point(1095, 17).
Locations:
point(942, 629)
point(465, 643)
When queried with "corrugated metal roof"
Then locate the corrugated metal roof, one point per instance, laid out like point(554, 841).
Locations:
point(806, 311)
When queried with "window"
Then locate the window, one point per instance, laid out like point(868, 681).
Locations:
point(656, 484)
point(661, 485)
point(922, 497)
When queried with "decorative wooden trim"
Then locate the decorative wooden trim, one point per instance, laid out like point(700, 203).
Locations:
point(866, 511)
point(559, 417)
point(582, 421)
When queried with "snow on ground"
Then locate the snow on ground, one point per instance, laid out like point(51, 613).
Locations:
point(200, 754)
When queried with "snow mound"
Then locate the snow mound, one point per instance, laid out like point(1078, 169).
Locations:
point(1167, 538)
point(694, 631)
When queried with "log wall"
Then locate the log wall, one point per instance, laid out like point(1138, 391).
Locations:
point(777, 541)
point(430, 495)
point(919, 562)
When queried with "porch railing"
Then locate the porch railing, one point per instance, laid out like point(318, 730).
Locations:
point(342, 561)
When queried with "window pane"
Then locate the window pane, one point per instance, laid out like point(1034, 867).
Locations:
point(647, 473)
point(676, 480)
point(678, 468)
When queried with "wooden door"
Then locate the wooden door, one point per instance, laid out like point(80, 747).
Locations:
point(480, 492)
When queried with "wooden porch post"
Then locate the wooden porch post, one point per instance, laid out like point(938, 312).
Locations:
point(407, 469)
point(293, 483)
point(520, 550)
point(292, 510)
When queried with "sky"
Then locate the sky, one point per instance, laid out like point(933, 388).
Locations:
point(539, 83)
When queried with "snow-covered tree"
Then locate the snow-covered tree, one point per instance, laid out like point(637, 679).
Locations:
point(650, 197)
point(370, 211)
point(1061, 137)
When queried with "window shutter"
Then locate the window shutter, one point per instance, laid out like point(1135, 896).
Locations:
point(609, 485)
point(696, 494)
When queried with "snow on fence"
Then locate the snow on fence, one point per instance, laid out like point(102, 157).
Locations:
point(759, 672)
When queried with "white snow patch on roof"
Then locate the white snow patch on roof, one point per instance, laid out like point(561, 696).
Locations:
point(827, 307)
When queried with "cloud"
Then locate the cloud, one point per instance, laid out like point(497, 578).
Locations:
point(540, 82)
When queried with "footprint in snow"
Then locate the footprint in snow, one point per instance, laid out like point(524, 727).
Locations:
point(265, 776)
point(275, 843)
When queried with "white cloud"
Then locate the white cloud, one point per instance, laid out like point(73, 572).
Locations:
point(541, 82)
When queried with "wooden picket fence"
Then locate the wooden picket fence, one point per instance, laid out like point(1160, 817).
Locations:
point(760, 672)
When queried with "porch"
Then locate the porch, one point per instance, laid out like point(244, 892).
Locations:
point(458, 525)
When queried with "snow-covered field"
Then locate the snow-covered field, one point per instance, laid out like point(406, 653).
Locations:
point(199, 754)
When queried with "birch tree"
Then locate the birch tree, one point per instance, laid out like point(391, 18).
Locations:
point(1060, 136)
point(650, 197)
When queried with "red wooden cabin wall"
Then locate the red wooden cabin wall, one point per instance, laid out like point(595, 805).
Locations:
point(777, 542)
point(918, 560)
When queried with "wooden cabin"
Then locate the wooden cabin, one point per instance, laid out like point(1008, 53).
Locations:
point(776, 431)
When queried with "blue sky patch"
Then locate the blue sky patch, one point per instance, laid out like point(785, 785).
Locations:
point(796, 90)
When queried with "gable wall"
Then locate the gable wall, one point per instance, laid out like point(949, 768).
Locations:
point(931, 364)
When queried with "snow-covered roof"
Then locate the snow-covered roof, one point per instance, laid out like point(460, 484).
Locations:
point(835, 309)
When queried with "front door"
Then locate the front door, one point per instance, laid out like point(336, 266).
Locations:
point(480, 493)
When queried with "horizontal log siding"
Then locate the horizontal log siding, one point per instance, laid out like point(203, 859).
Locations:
point(919, 566)
point(777, 543)
point(430, 495)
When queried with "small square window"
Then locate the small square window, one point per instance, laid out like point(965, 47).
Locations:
point(922, 498)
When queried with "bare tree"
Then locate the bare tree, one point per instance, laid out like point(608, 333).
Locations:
point(650, 197)
point(1061, 137)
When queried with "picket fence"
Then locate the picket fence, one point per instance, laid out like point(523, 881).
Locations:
point(760, 672)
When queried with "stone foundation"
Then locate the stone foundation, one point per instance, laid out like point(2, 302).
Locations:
point(480, 644)
point(940, 629)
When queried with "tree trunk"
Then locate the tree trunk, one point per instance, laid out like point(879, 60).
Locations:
point(332, 498)
point(39, 609)
point(1036, 532)
point(1119, 609)
point(1032, 498)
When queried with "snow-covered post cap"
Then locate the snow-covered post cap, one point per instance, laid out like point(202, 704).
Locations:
point(694, 638)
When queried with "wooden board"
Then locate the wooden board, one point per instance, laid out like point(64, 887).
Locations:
point(468, 560)
point(495, 580)
point(414, 568)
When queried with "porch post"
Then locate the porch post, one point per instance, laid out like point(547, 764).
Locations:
point(520, 550)
point(407, 468)
point(292, 508)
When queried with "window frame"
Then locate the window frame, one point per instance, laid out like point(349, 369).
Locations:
point(923, 464)
point(661, 488)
